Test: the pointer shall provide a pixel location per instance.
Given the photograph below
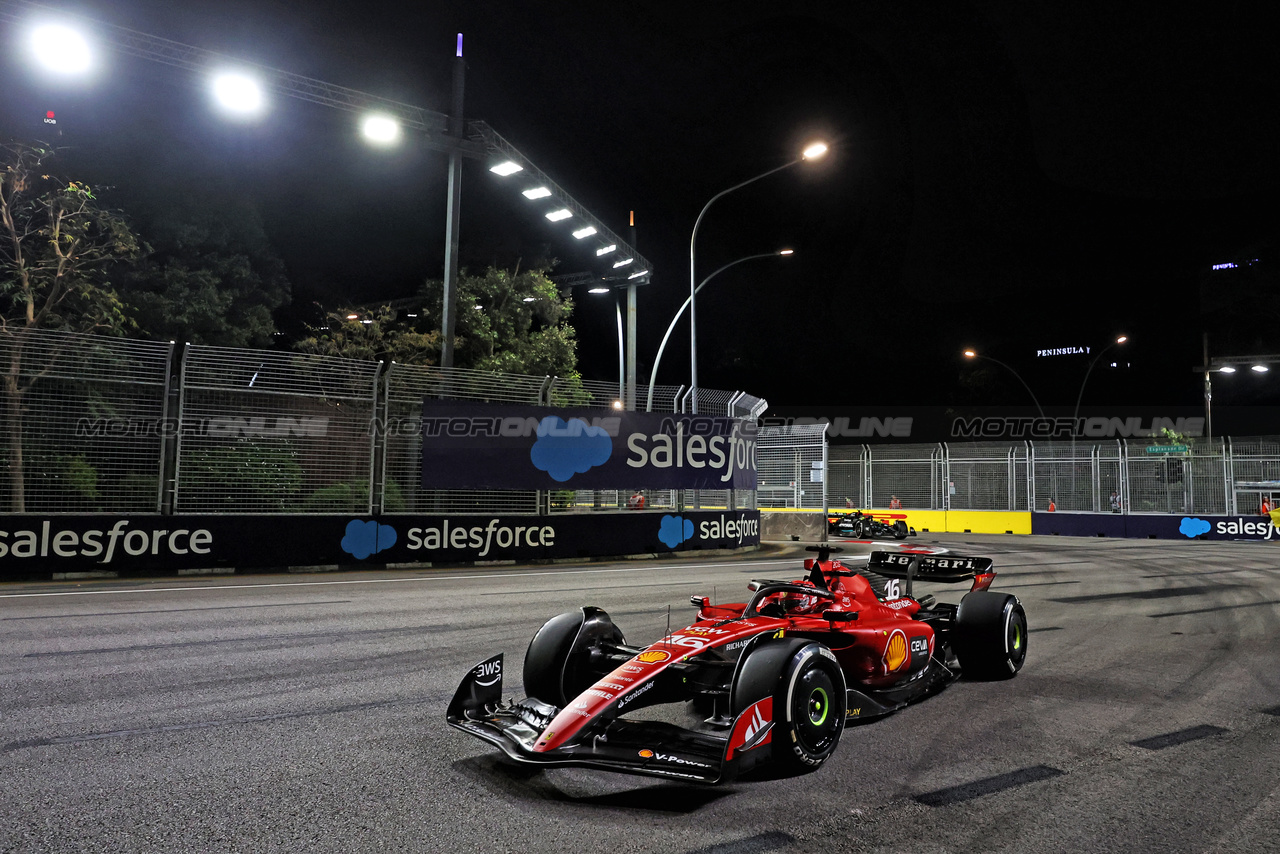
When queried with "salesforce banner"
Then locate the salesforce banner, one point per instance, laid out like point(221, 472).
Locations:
point(474, 446)
point(1189, 527)
point(38, 546)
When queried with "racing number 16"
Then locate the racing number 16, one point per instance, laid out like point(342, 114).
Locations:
point(891, 589)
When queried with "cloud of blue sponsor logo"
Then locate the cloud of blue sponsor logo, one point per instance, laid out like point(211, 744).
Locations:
point(1193, 527)
point(674, 530)
point(367, 538)
point(566, 448)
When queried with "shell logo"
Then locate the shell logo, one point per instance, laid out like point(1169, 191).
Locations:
point(646, 754)
point(895, 651)
point(653, 656)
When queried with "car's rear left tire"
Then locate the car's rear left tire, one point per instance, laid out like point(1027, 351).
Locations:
point(990, 635)
point(899, 530)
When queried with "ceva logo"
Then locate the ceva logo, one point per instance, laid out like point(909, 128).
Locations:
point(566, 448)
point(1193, 527)
point(674, 530)
point(367, 538)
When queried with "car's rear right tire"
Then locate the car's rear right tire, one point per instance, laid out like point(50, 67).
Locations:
point(990, 635)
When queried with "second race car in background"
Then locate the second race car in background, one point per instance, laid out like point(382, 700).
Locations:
point(860, 526)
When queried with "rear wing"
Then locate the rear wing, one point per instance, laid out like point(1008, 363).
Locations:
point(949, 569)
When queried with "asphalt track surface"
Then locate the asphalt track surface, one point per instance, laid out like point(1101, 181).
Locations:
point(306, 713)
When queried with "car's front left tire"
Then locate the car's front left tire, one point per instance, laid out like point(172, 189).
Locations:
point(809, 710)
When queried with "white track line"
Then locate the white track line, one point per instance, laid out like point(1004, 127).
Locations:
point(388, 580)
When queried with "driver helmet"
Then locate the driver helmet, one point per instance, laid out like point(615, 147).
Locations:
point(794, 601)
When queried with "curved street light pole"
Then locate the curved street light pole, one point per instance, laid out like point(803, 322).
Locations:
point(813, 151)
point(973, 355)
point(653, 375)
point(1079, 397)
point(693, 287)
point(1075, 415)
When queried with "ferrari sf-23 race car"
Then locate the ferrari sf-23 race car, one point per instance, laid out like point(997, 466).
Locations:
point(777, 677)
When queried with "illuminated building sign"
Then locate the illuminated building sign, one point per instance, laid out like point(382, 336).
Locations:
point(1064, 351)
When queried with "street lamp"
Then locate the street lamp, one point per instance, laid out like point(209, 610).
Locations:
point(813, 151)
point(972, 354)
point(1080, 396)
point(653, 375)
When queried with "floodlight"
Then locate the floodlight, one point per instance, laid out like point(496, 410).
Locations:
point(537, 193)
point(605, 250)
point(969, 354)
point(507, 167)
point(1122, 339)
point(238, 94)
point(598, 291)
point(786, 251)
point(562, 213)
point(638, 273)
point(61, 49)
point(1261, 369)
point(585, 232)
point(379, 128)
point(530, 299)
point(622, 263)
point(1227, 369)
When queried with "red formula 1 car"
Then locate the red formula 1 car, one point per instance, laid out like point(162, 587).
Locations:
point(776, 677)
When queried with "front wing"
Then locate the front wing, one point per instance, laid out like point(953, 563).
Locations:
point(649, 748)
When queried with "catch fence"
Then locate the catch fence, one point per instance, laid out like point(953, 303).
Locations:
point(93, 424)
point(1227, 475)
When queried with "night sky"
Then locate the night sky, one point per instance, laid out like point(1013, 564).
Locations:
point(1005, 176)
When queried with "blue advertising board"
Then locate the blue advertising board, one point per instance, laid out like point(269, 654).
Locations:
point(40, 546)
point(1188, 527)
point(477, 446)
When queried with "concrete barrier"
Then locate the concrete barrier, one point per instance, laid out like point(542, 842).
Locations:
point(786, 524)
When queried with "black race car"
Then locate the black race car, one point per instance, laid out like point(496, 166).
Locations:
point(775, 678)
point(860, 526)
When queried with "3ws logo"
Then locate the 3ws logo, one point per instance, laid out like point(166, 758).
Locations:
point(565, 448)
point(489, 673)
point(367, 538)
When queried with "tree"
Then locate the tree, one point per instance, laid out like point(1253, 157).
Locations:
point(514, 322)
point(59, 248)
point(373, 335)
point(210, 275)
point(511, 322)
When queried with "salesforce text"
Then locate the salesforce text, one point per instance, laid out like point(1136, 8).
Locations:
point(495, 534)
point(135, 542)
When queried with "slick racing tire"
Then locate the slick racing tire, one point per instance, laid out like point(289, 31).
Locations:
point(899, 530)
point(860, 531)
point(809, 710)
point(557, 662)
point(990, 635)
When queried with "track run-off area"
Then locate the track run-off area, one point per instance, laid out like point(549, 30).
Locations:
point(306, 713)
